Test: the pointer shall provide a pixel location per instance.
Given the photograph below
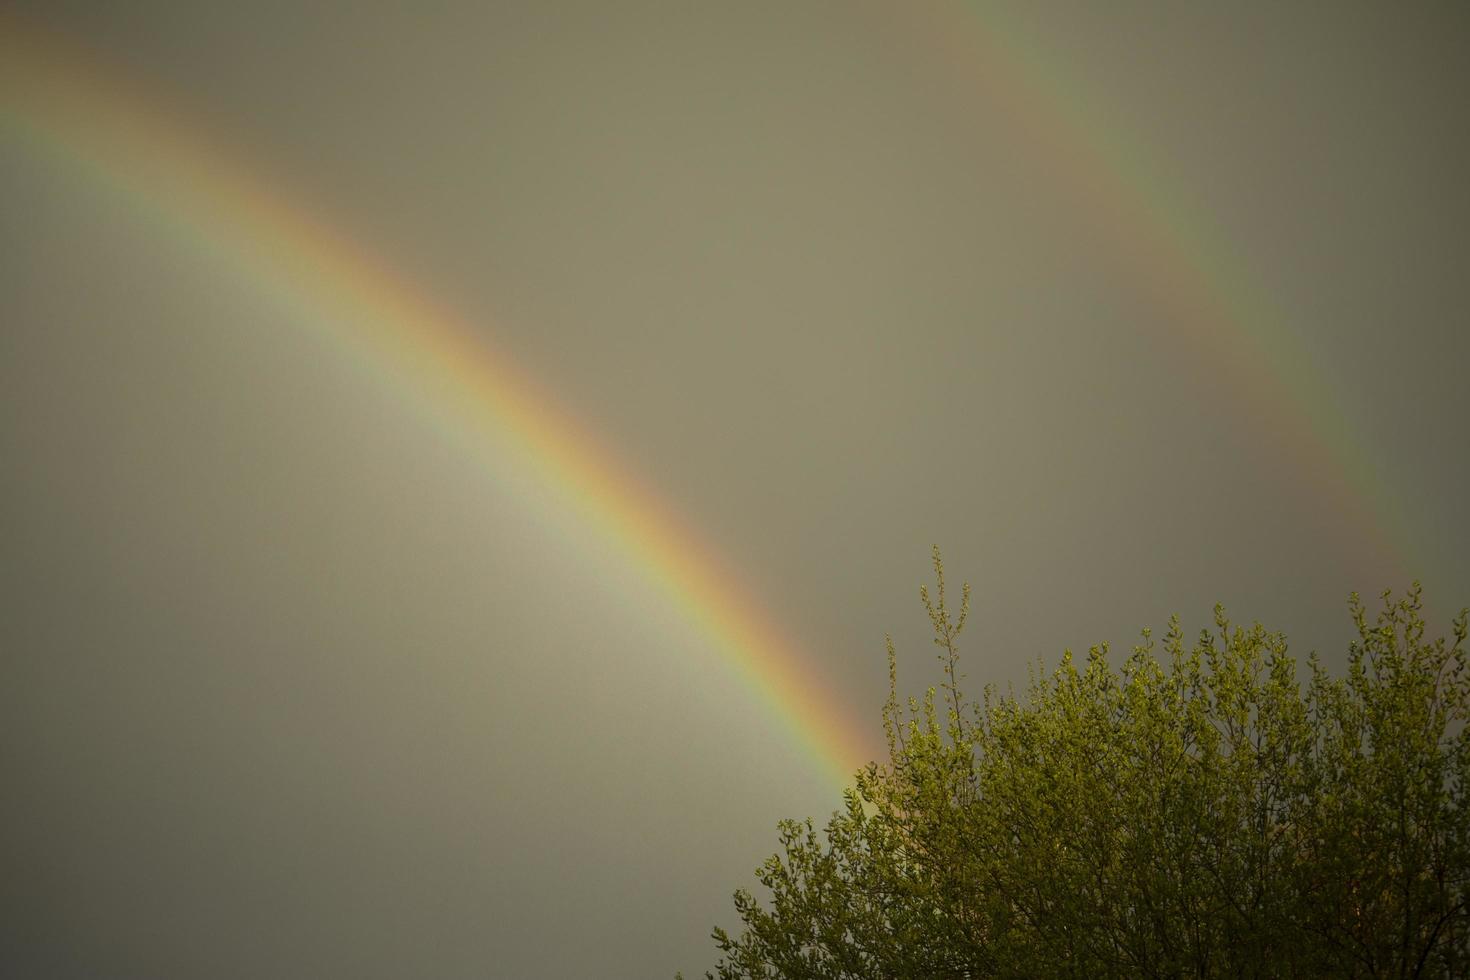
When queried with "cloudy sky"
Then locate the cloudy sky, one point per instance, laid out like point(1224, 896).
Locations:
point(317, 662)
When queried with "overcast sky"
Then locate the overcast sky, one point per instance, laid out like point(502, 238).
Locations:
point(1131, 308)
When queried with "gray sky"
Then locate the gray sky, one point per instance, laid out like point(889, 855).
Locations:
point(300, 684)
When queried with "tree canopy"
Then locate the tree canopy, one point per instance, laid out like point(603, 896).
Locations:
point(1203, 809)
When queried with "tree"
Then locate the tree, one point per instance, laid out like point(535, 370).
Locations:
point(1196, 810)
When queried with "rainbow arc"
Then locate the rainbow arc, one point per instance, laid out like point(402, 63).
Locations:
point(58, 102)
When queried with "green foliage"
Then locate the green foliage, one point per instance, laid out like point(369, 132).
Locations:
point(1197, 810)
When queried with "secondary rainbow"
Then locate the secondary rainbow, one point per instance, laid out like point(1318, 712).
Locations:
point(1174, 257)
point(63, 106)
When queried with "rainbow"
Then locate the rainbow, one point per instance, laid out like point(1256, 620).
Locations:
point(1173, 257)
point(59, 102)
point(61, 105)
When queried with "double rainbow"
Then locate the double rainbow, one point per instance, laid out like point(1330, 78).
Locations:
point(57, 103)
